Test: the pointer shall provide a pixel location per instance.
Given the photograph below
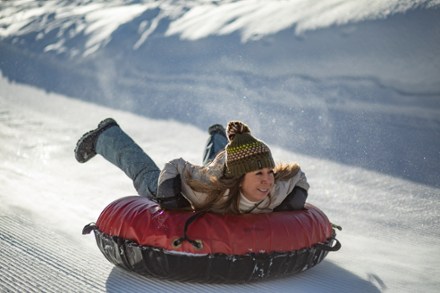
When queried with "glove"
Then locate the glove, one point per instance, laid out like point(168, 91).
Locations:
point(169, 195)
point(294, 201)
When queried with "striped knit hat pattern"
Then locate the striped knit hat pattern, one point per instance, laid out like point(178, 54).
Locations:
point(245, 153)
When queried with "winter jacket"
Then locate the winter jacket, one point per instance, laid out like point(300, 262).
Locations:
point(288, 194)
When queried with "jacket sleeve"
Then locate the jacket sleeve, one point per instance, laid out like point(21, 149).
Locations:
point(302, 181)
point(295, 200)
point(169, 190)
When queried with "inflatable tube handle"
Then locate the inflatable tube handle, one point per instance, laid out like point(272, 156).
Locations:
point(89, 228)
point(196, 243)
point(329, 245)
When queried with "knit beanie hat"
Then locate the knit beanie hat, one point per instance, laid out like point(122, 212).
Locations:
point(245, 153)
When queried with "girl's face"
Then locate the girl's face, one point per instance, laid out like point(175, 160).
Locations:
point(256, 185)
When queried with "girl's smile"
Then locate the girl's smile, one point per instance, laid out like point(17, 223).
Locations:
point(256, 185)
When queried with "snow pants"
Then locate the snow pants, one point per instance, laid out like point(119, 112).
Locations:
point(122, 151)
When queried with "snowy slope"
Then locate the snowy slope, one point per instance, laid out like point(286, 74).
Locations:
point(349, 89)
point(390, 235)
point(335, 78)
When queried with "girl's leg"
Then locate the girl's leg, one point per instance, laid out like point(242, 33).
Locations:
point(216, 143)
point(119, 149)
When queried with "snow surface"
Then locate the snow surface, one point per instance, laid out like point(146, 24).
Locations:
point(390, 226)
point(348, 89)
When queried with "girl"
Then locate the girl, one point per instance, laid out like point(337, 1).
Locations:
point(238, 173)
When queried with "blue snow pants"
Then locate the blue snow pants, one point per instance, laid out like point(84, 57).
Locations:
point(122, 151)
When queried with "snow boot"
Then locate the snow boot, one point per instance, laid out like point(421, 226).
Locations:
point(217, 128)
point(85, 147)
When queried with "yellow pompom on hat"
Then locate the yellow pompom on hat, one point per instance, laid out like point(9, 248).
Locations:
point(245, 153)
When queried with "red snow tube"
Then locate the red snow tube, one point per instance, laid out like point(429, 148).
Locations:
point(136, 234)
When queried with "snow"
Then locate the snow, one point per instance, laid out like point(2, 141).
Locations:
point(349, 90)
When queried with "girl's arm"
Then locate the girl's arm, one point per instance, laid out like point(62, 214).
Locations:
point(294, 201)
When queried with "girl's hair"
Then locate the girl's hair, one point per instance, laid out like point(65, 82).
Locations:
point(222, 201)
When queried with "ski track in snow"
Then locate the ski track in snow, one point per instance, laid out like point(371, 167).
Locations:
point(391, 226)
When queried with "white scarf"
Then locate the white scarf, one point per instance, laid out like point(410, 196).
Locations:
point(247, 206)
